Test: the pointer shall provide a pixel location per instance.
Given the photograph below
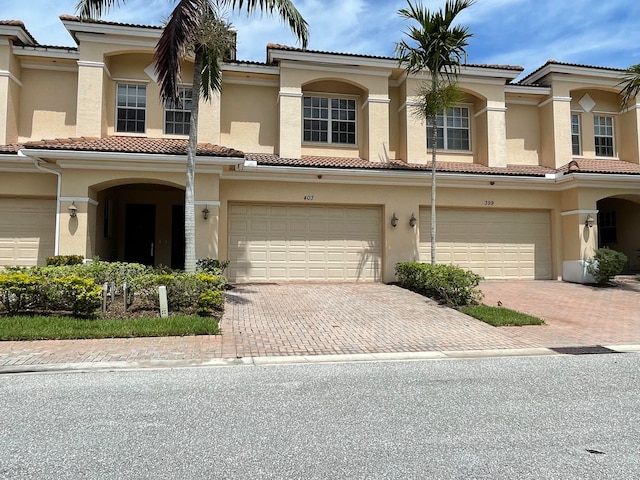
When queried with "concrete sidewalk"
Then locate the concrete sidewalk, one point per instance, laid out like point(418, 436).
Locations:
point(363, 321)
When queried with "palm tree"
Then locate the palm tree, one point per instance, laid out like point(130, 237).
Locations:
point(438, 46)
point(630, 84)
point(196, 28)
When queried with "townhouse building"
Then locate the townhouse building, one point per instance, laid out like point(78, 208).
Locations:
point(311, 166)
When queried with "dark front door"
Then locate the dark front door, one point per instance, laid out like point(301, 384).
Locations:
point(177, 236)
point(140, 233)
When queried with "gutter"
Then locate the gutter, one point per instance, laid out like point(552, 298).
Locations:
point(38, 164)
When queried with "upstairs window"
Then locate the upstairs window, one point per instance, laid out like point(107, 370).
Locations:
point(452, 130)
point(576, 146)
point(131, 108)
point(329, 120)
point(177, 115)
point(603, 135)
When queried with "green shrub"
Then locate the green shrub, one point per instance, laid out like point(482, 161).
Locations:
point(81, 296)
point(184, 290)
point(18, 290)
point(212, 265)
point(58, 260)
point(208, 301)
point(28, 291)
point(448, 284)
point(606, 264)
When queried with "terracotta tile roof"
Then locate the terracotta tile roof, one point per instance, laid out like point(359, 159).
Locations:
point(592, 165)
point(73, 18)
point(19, 23)
point(12, 148)
point(161, 146)
point(359, 163)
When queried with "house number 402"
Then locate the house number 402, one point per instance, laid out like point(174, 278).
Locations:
point(308, 197)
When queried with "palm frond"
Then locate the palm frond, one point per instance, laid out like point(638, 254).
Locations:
point(93, 9)
point(433, 42)
point(630, 84)
point(285, 9)
point(432, 101)
point(176, 40)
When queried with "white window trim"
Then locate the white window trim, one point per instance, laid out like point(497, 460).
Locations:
point(330, 96)
point(164, 115)
point(444, 127)
point(115, 122)
point(612, 136)
point(579, 134)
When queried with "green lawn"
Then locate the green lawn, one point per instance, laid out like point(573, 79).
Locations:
point(500, 316)
point(58, 328)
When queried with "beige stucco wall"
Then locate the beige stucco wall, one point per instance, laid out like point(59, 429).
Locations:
point(48, 104)
point(523, 134)
point(249, 118)
point(32, 184)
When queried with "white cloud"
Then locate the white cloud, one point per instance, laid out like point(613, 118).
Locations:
point(521, 32)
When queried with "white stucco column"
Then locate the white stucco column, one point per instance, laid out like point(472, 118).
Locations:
point(290, 100)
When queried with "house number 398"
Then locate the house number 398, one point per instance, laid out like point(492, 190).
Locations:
point(308, 197)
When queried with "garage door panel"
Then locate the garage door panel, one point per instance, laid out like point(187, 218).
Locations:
point(27, 230)
point(495, 244)
point(319, 243)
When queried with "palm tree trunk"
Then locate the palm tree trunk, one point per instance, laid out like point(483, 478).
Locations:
point(189, 193)
point(434, 137)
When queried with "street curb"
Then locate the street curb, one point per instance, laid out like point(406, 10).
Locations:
point(292, 360)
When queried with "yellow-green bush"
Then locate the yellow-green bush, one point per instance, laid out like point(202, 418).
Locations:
point(27, 291)
point(446, 283)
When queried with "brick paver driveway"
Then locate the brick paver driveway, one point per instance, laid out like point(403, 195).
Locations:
point(310, 319)
point(315, 319)
point(290, 319)
point(575, 314)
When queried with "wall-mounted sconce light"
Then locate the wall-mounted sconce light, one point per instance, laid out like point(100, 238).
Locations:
point(205, 212)
point(590, 221)
point(394, 220)
point(412, 220)
point(73, 210)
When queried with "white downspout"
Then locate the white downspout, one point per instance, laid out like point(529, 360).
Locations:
point(37, 163)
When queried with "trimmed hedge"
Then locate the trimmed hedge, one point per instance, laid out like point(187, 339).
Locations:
point(26, 291)
point(77, 288)
point(606, 265)
point(186, 292)
point(447, 284)
point(59, 260)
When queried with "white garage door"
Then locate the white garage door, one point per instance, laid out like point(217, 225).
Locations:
point(494, 244)
point(27, 229)
point(304, 243)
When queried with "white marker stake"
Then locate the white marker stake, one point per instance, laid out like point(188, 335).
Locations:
point(164, 307)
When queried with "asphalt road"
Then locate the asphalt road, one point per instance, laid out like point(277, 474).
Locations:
point(540, 417)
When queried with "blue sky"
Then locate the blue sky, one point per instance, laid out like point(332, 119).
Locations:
point(514, 32)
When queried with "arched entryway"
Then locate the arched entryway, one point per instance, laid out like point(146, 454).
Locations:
point(618, 220)
point(142, 223)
